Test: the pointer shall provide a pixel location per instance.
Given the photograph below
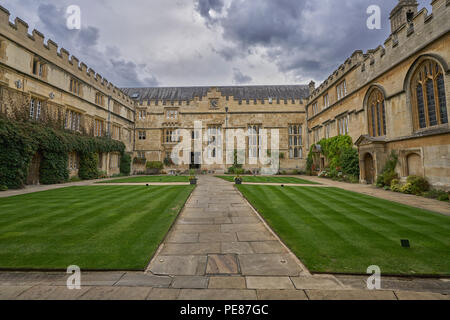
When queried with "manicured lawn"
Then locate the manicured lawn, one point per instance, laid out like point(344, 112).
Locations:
point(94, 227)
point(333, 230)
point(268, 179)
point(149, 179)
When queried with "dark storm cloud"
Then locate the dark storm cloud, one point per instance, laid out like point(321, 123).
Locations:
point(240, 78)
point(205, 6)
point(307, 39)
point(84, 44)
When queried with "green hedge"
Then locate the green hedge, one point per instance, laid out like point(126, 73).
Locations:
point(125, 164)
point(19, 141)
point(88, 166)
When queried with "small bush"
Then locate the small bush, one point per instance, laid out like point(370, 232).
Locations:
point(388, 177)
point(396, 186)
point(407, 188)
point(125, 164)
point(75, 179)
point(436, 194)
point(418, 184)
point(386, 188)
point(154, 165)
point(3, 188)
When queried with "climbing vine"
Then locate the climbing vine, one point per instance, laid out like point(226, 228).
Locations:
point(20, 141)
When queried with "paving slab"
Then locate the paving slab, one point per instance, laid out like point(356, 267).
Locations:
point(350, 295)
point(192, 228)
point(12, 292)
point(317, 282)
point(222, 264)
point(93, 279)
point(190, 282)
point(245, 220)
point(268, 247)
point(163, 294)
point(178, 265)
point(190, 248)
point(281, 295)
point(217, 294)
point(237, 247)
point(244, 227)
point(269, 283)
point(411, 295)
point(30, 278)
point(414, 284)
point(116, 293)
point(144, 280)
point(44, 292)
point(262, 235)
point(179, 237)
point(227, 282)
point(217, 237)
point(196, 221)
point(269, 265)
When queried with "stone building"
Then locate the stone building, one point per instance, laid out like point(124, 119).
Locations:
point(393, 98)
point(161, 112)
point(42, 83)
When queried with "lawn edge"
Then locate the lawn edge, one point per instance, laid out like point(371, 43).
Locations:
point(399, 275)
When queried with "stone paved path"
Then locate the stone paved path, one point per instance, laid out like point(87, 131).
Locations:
point(218, 248)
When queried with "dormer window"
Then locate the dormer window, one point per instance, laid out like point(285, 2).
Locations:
point(172, 114)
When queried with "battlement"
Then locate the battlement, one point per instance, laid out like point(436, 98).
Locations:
point(407, 39)
point(35, 43)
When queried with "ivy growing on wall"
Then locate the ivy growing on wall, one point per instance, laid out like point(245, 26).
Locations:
point(340, 154)
point(20, 141)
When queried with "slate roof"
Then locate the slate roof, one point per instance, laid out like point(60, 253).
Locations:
point(238, 92)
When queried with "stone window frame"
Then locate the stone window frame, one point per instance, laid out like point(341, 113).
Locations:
point(73, 119)
point(214, 145)
point(171, 136)
point(428, 70)
point(39, 67)
point(343, 125)
point(376, 112)
point(142, 135)
point(36, 108)
point(341, 90)
point(254, 140)
point(99, 127)
point(326, 100)
point(295, 136)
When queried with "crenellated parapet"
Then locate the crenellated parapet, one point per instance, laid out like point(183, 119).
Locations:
point(18, 32)
point(423, 28)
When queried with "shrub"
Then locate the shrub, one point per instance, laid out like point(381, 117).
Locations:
point(125, 164)
point(388, 177)
point(3, 188)
point(75, 179)
point(407, 188)
point(396, 186)
point(154, 165)
point(436, 194)
point(88, 166)
point(418, 184)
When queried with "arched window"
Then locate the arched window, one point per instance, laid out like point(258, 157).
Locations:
point(377, 113)
point(428, 95)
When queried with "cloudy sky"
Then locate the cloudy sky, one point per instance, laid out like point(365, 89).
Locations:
point(209, 42)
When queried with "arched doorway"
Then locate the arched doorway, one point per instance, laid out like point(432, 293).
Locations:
point(369, 168)
point(33, 170)
point(414, 164)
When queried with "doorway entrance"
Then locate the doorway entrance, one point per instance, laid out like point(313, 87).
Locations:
point(369, 168)
point(195, 161)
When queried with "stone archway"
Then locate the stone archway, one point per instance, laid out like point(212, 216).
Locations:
point(369, 169)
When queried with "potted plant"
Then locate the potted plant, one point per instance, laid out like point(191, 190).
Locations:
point(192, 178)
point(238, 178)
point(154, 167)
